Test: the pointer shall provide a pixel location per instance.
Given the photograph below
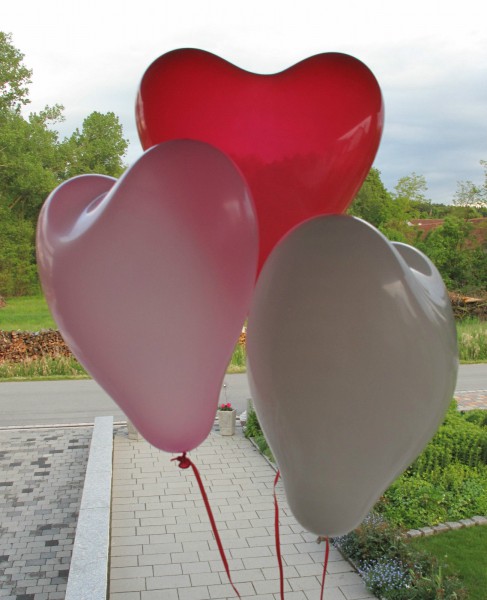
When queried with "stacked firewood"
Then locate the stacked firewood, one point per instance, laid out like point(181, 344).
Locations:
point(242, 338)
point(16, 346)
point(468, 306)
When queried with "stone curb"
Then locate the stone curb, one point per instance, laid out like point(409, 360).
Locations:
point(448, 526)
point(88, 572)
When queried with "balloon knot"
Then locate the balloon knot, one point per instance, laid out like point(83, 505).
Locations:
point(183, 460)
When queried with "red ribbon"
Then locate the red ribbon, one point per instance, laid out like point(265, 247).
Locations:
point(278, 537)
point(185, 463)
point(278, 546)
point(325, 565)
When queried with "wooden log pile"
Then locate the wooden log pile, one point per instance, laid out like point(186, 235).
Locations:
point(16, 346)
point(467, 306)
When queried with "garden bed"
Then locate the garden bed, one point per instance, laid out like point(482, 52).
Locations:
point(443, 489)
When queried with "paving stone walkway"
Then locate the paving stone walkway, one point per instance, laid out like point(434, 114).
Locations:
point(162, 547)
point(471, 400)
point(41, 482)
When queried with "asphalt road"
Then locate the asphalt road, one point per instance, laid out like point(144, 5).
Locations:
point(53, 402)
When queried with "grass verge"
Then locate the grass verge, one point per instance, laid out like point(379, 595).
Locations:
point(472, 340)
point(463, 552)
point(42, 369)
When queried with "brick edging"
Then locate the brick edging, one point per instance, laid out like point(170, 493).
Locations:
point(448, 526)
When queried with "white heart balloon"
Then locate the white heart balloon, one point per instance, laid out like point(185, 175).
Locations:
point(352, 362)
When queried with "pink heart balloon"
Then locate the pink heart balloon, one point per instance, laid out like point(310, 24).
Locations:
point(150, 279)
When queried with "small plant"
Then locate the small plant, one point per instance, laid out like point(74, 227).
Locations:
point(388, 577)
point(394, 570)
point(226, 406)
point(252, 425)
point(254, 431)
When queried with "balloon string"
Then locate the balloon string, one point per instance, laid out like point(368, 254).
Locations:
point(325, 565)
point(185, 463)
point(278, 546)
point(278, 537)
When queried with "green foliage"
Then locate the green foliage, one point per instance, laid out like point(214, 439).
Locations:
point(450, 494)
point(448, 481)
point(18, 274)
point(373, 202)
point(33, 161)
point(457, 441)
point(459, 259)
point(97, 148)
point(452, 248)
point(254, 431)
point(413, 502)
point(252, 426)
point(392, 568)
point(477, 416)
point(29, 160)
point(14, 76)
point(412, 188)
point(470, 194)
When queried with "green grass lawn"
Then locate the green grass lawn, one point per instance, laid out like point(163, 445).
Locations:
point(464, 551)
point(28, 313)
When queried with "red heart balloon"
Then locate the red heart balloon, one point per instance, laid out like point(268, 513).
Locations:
point(304, 138)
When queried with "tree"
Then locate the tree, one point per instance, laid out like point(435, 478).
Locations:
point(459, 258)
point(30, 161)
point(18, 273)
point(98, 148)
point(413, 187)
point(14, 76)
point(373, 203)
point(470, 194)
point(33, 161)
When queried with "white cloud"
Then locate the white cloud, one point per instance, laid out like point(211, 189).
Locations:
point(430, 59)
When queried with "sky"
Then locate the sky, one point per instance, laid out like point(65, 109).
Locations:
point(429, 57)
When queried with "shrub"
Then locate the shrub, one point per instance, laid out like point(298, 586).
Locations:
point(448, 481)
point(254, 431)
point(412, 502)
point(392, 569)
point(448, 494)
point(477, 417)
point(457, 440)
